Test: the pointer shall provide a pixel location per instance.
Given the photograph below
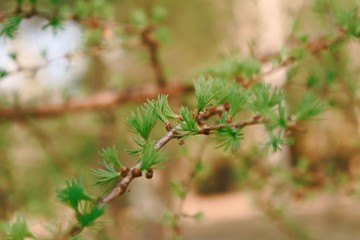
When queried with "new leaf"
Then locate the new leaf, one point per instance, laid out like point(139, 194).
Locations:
point(308, 107)
point(142, 121)
point(188, 124)
point(150, 157)
point(161, 107)
point(73, 193)
point(204, 93)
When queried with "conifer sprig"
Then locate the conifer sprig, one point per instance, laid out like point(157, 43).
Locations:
point(17, 230)
point(142, 121)
point(11, 26)
point(204, 92)
point(188, 125)
point(89, 212)
point(161, 107)
point(106, 176)
point(229, 138)
point(73, 193)
point(237, 98)
point(150, 157)
point(110, 156)
point(308, 107)
point(109, 175)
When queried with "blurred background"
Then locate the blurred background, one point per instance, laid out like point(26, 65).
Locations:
point(309, 190)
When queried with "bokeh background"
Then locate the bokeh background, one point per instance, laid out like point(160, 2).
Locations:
point(309, 190)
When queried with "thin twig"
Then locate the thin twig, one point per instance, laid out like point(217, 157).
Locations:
point(153, 49)
point(313, 47)
point(186, 188)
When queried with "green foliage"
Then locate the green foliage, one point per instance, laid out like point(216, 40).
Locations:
point(11, 26)
point(106, 176)
point(308, 107)
point(277, 118)
point(276, 141)
point(161, 107)
point(102, 9)
point(169, 219)
point(158, 13)
point(86, 209)
point(81, 8)
point(298, 52)
point(188, 125)
point(73, 193)
point(89, 213)
point(13, 56)
point(248, 67)
point(18, 230)
point(265, 98)
point(229, 137)
point(140, 142)
point(162, 34)
point(177, 189)
point(198, 167)
point(204, 92)
point(109, 175)
point(54, 23)
point(142, 121)
point(54, 2)
point(343, 12)
point(3, 73)
point(312, 80)
point(197, 216)
point(139, 18)
point(229, 68)
point(150, 157)
point(237, 97)
point(110, 156)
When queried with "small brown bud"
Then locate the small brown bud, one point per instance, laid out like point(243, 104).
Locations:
point(136, 172)
point(149, 174)
point(257, 117)
point(181, 142)
point(229, 119)
point(168, 126)
point(227, 106)
point(124, 171)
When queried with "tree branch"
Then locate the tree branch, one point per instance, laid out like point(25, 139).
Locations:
point(104, 100)
point(96, 102)
point(153, 49)
point(313, 47)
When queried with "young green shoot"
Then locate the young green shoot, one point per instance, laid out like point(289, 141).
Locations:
point(161, 107)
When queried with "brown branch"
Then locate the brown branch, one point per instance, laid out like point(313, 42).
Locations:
point(95, 102)
point(122, 185)
point(153, 49)
point(211, 111)
point(254, 121)
point(103, 100)
point(313, 47)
